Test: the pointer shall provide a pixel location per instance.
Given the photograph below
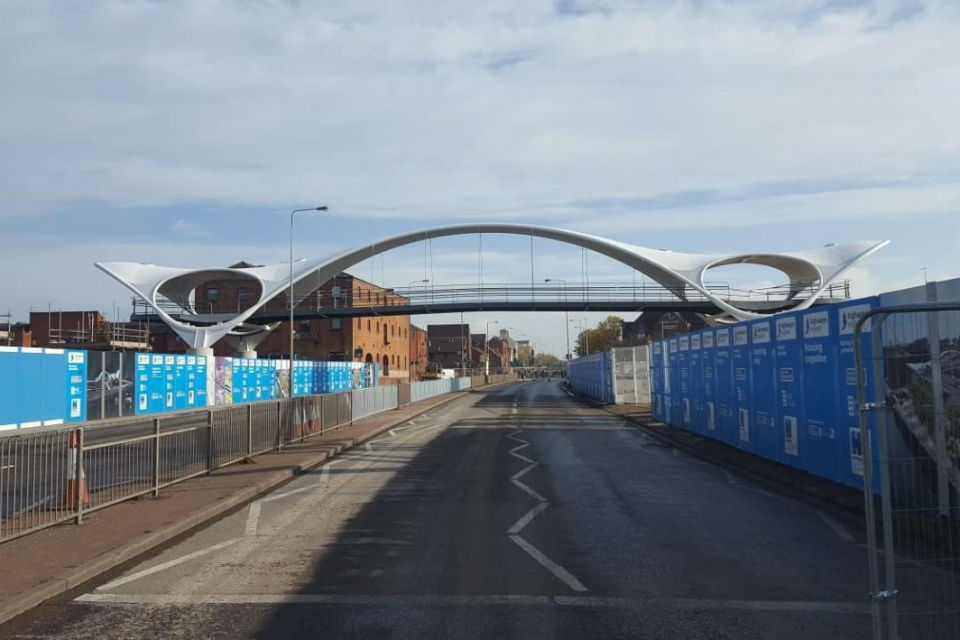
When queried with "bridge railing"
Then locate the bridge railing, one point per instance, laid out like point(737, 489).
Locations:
point(50, 475)
point(511, 292)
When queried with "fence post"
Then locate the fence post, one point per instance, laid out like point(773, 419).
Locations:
point(280, 422)
point(156, 457)
point(939, 426)
point(78, 474)
point(249, 430)
point(209, 442)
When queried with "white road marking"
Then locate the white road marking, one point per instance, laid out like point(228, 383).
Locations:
point(393, 433)
point(835, 526)
point(7, 466)
point(562, 574)
point(368, 447)
point(730, 478)
point(166, 565)
point(688, 604)
point(525, 520)
point(253, 519)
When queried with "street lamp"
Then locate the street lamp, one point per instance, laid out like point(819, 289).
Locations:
point(586, 335)
point(566, 312)
point(290, 373)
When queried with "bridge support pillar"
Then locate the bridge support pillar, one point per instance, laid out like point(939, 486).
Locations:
point(249, 354)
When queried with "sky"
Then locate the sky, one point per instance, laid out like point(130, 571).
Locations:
point(182, 133)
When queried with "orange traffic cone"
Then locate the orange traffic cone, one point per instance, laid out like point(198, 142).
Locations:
point(73, 490)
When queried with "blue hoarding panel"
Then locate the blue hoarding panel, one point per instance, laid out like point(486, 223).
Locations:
point(52, 393)
point(674, 412)
point(10, 378)
point(656, 380)
point(848, 314)
point(766, 440)
point(708, 362)
point(727, 430)
point(743, 402)
point(789, 368)
point(686, 399)
point(696, 384)
point(820, 385)
point(30, 368)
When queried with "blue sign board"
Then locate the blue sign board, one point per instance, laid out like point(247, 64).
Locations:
point(76, 386)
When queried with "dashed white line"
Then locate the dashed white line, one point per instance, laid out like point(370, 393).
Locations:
point(730, 478)
point(525, 520)
point(565, 576)
point(253, 519)
point(835, 526)
point(166, 565)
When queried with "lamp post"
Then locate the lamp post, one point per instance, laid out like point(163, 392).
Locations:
point(566, 312)
point(290, 301)
point(486, 346)
point(586, 335)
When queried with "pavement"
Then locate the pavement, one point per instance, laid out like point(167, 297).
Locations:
point(511, 512)
point(52, 561)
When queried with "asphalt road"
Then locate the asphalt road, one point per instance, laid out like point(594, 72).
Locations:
point(513, 512)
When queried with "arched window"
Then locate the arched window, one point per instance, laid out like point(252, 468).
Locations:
point(385, 338)
point(369, 358)
point(393, 330)
point(368, 324)
point(386, 365)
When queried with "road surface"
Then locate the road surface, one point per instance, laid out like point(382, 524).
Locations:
point(513, 512)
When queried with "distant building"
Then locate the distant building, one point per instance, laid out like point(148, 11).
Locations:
point(419, 352)
point(384, 339)
point(654, 325)
point(500, 355)
point(525, 353)
point(16, 335)
point(84, 330)
point(448, 345)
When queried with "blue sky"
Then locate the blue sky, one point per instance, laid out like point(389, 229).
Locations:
point(182, 132)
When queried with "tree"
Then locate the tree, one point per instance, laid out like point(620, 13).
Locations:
point(607, 335)
point(546, 360)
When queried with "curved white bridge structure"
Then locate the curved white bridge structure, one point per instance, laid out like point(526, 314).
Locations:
point(678, 272)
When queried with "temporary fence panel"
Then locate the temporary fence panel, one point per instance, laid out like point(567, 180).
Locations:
point(766, 440)
point(789, 390)
point(675, 410)
point(42, 387)
point(742, 374)
point(631, 375)
point(683, 364)
point(656, 380)
point(914, 360)
point(367, 402)
point(820, 390)
point(726, 398)
point(696, 383)
point(848, 415)
point(708, 363)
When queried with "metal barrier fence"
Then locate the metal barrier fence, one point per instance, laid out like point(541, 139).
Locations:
point(367, 402)
point(631, 375)
point(912, 471)
point(50, 475)
point(430, 388)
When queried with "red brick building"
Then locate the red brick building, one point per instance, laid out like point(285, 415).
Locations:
point(382, 339)
point(419, 352)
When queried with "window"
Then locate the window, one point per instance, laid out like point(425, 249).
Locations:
point(335, 324)
point(213, 293)
point(359, 324)
point(368, 324)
